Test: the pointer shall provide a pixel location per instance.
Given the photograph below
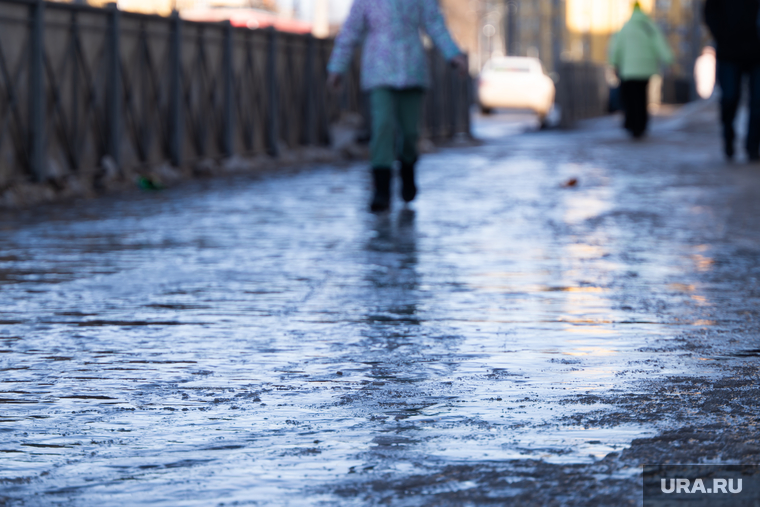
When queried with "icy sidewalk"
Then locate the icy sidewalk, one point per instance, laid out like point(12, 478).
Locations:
point(268, 341)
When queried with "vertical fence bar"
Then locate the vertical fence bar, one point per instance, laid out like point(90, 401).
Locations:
point(570, 95)
point(558, 21)
point(75, 91)
point(247, 79)
point(175, 92)
point(325, 104)
point(286, 119)
point(434, 102)
point(199, 128)
point(114, 84)
point(272, 120)
point(37, 113)
point(308, 83)
point(470, 100)
point(442, 123)
point(454, 83)
point(228, 127)
point(142, 79)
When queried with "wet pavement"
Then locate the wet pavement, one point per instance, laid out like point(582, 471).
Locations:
point(509, 339)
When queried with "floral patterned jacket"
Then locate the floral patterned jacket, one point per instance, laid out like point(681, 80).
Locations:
point(393, 53)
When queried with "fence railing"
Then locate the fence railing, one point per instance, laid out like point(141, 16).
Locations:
point(78, 84)
point(582, 91)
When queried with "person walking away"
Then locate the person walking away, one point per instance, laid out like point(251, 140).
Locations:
point(394, 71)
point(734, 26)
point(636, 53)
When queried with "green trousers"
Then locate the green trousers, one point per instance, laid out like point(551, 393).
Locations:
point(392, 107)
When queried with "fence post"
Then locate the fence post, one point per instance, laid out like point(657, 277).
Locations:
point(37, 113)
point(175, 92)
point(272, 123)
point(228, 134)
point(561, 94)
point(75, 90)
point(470, 96)
point(558, 24)
point(454, 83)
point(435, 104)
point(114, 84)
point(326, 98)
point(309, 78)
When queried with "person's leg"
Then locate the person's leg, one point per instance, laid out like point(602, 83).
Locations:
point(730, 80)
point(645, 104)
point(409, 106)
point(638, 94)
point(382, 153)
point(625, 96)
point(753, 132)
point(383, 104)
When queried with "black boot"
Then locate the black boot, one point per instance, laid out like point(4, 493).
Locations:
point(381, 201)
point(408, 187)
point(728, 151)
point(728, 141)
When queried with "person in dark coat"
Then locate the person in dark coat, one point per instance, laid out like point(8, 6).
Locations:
point(734, 26)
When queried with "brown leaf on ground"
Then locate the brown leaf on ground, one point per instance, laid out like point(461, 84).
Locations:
point(572, 182)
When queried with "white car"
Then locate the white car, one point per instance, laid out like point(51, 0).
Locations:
point(516, 82)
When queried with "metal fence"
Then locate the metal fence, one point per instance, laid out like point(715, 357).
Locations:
point(582, 91)
point(79, 83)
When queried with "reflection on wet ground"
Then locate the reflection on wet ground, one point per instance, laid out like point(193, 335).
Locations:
point(267, 341)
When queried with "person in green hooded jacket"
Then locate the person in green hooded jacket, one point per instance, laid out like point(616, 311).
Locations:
point(636, 53)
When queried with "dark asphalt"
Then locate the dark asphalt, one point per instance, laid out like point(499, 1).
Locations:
point(506, 340)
